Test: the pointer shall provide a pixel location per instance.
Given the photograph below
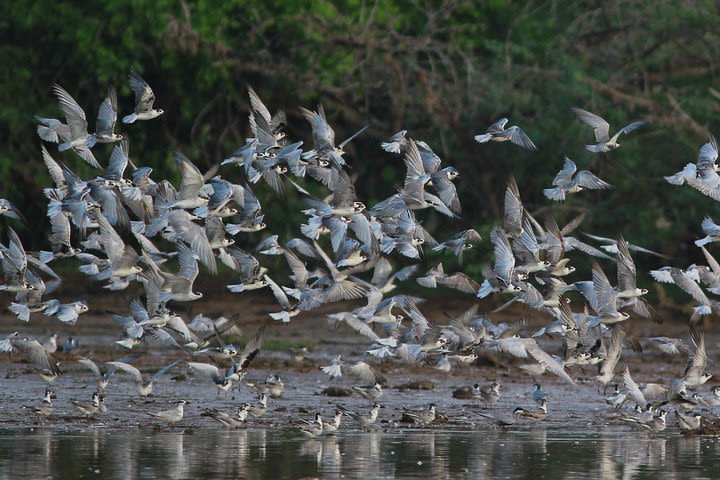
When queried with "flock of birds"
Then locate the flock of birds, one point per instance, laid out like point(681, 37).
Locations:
point(125, 228)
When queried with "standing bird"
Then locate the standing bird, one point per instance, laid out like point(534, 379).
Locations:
point(173, 415)
point(363, 421)
point(602, 130)
point(564, 182)
point(688, 422)
point(45, 409)
point(422, 417)
point(498, 133)
point(538, 395)
point(144, 99)
point(95, 407)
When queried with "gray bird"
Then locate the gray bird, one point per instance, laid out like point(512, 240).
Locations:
point(602, 130)
point(568, 180)
point(91, 409)
point(538, 394)
point(363, 421)
point(32, 350)
point(105, 123)
point(144, 388)
point(172, 416)
point(688, 422)
point(498, 133)
point(144, 100)
point(8, 209)
point(422, 417)
point(76, 136)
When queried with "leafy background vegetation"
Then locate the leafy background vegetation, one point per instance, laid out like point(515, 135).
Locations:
point(444, 70)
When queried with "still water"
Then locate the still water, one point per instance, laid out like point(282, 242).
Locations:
point(261, 454)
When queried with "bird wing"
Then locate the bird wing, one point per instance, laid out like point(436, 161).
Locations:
point(144, 96)
point(591, 181)
point(36, 354)
point(518, 137)
point(563, 177)
point(600, 126)
point(134, 372)
point(626, 270)
point(74, 115)
point(632, 388)
point(107, 113)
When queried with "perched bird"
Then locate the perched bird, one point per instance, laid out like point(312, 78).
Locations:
point(422, 417)
point(688, 422)
point(533, 415)
point(45, 409)
point(313, 429)
point(236, 420)
point(144, 100)
point(498, 133)
point(172, 416)
point(602, 130)
point(331, 427)
point(363, 421)
point(489, 396)
point(93, 408)
point(537, 394)
point(501, 420)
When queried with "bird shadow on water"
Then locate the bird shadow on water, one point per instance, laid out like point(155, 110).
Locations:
point(279, 454)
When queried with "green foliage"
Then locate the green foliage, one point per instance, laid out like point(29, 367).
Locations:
point(443, 70)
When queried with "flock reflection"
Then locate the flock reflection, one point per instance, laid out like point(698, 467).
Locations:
point(258, 454)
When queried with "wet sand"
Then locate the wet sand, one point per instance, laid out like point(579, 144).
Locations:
point(576, 408)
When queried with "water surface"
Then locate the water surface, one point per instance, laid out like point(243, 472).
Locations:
point(265, 454)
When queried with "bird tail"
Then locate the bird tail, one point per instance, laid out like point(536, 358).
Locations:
point(64, 146)
point(600, 147)
point(130, 118)
point(483, 138)
point(91, 141)
point(236, 288)
point(703, 241)
point(46, 257)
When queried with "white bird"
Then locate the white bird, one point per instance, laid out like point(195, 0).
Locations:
point(144, 99)
point(602, 130)
point(173, 415)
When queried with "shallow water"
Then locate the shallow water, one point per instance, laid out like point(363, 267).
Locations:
point(260, 454)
